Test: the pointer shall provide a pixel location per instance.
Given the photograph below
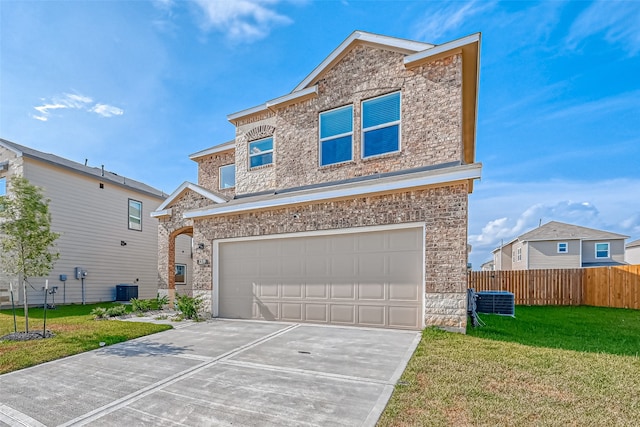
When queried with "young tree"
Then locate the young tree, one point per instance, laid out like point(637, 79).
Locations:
point(26, 239)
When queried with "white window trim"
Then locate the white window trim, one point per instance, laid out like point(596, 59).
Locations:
point(519, 254)
point(566, 247)
point(220, 176)
point(129, 216)
point(384, 125)
point(608, 250)
point(321, 140)
point(273, 159)
point(185, 274)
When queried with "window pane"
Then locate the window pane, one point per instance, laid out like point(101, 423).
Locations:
point(261, 146)
point(336, 122)
point(381, 110)
point(260, 160)
point(602, 250)
point(3, 186)
point(181, 270)
point(381, 141)
point(228, 176)
point(135, 215)
point(336, 150)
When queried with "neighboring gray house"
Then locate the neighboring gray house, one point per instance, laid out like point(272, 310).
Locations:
point(632, 252)
point(488, 266)
point(345, 201)
point(559, 245)
point(104, 224)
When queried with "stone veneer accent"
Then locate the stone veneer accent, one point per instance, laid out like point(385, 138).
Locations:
point(430, 131)
point(442, 209)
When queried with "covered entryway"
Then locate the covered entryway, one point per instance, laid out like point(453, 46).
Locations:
point(350, 277)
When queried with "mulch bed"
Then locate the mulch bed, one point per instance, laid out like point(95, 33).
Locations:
point(26, 336)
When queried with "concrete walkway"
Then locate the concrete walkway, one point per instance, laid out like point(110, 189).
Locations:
point(220, 372)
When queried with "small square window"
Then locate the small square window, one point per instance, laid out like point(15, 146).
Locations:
point(261, 152)
point(563, 247)
point(181, 274)
point(602, 250)
point(135, 215)
point(227, 176)
point(336, 136)
point(381, 125)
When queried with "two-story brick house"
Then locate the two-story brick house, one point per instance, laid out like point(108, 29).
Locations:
point(344, 201)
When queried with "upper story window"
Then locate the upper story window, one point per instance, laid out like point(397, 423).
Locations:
point(261, 152)
point(563, 247)
point(227, 176)
point(381, 125)
point(602, 250)
point(135, 215)
point(336, 136)
point(3, 186)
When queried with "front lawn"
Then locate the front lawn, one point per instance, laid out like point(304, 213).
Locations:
point(552, 366)
point(75, 332)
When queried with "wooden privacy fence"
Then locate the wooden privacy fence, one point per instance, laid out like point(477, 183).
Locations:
point(598, 286)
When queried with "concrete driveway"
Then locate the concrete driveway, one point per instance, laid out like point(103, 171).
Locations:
point(220, 372)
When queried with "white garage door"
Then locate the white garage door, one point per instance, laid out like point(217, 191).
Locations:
point(366, 279)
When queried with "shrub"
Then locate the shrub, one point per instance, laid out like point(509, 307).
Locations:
point(188, 306)
point(161, 301)
point(116, 310)
point(99, 313)
point(140, 305)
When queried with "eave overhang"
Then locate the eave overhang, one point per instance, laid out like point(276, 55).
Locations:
point(344, 191)
point(280, 102)
point(163, 210)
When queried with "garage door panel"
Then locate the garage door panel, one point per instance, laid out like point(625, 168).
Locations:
point(371, 315)
point(404, 317)
point(316, 313)
point(316, 290)
point(403, 292)
point(371, 278)
point(371, 291)
point(343, 314)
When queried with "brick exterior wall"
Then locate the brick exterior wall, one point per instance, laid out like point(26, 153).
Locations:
point(209, 171)
point(430, 131)
point(442, 209)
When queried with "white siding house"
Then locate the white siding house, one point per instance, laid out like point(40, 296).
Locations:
point(104, 224)
point(632, 252)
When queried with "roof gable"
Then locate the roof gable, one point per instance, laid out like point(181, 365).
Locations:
point(188, 186)
point(555, 230)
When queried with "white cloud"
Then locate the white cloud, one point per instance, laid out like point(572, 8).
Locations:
point(435, 24)
point(616, 21)
point(74, 101)
point(241, 20)
point(105, 110)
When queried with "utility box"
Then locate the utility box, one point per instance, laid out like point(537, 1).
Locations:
point(125, 292)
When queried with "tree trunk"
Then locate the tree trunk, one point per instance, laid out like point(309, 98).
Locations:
point(26, 306)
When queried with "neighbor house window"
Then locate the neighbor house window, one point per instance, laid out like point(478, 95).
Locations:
point(135, 215)
point(227, 176)
point(3, 186)
point(602, 250)
point(519, 254)
point(336, 136)
point(381, 125)
point(181, 274)
point(563, 247)
point(261, 152)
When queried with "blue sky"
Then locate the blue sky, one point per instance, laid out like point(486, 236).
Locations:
point(138, 86)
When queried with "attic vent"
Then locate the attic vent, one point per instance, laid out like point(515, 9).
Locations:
point(496, 302)
point(101, 185)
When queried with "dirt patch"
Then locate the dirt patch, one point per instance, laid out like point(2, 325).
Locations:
point(27, 336)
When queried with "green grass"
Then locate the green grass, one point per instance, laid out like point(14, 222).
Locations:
point(550, 366)
point(75, 332)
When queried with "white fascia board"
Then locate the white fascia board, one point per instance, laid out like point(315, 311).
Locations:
point(292, 96)
point(218, 148)
point(458, 173)
point(409, 45)
point(416, 57)
point(195, 188)
point(11, 148)
point(273, 103)
point(158, 214)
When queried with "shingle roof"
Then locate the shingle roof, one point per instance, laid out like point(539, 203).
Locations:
point(633, 244)
point(105, 176)
point(555, 230)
